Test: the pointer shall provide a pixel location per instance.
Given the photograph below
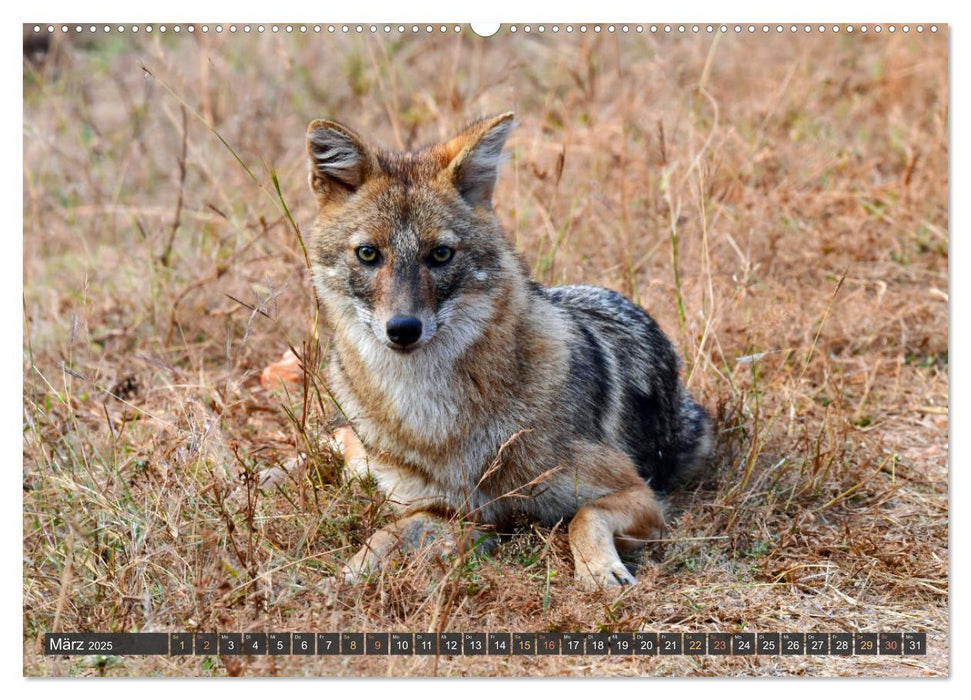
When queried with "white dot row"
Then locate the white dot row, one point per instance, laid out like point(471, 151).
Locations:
point(246, 28)
point(428, 28)
point(726, 28)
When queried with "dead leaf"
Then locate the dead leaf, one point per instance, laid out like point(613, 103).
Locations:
point(287, 371)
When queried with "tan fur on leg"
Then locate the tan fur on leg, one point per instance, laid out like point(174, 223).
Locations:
point(632, 513)
point(355, 456)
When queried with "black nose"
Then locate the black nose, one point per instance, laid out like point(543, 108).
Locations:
point(403, 330)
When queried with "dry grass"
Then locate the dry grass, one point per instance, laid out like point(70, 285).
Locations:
point(778, 203)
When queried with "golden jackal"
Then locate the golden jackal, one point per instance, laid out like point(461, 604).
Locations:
point(473, 390)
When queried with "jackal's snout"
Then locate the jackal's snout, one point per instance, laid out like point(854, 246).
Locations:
point(403, 330)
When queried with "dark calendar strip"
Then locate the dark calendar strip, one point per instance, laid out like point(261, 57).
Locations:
point(488, 643)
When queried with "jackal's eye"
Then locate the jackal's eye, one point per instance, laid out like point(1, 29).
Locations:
point(441, 255)
point(367, 254)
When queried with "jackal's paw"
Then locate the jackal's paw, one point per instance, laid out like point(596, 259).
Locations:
point(330, 586)
point(359, 566)
point(350, 576)
point(610, 575)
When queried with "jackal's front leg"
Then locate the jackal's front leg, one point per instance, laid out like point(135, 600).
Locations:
point(402, 535)
point(424, 524)
point(632, 514)
point(406, 534)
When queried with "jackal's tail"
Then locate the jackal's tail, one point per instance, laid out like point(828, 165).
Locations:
point(695, 439)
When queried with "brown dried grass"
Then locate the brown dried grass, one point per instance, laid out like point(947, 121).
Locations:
point(778, 203)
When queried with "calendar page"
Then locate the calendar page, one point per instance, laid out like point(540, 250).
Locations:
point(438, 349)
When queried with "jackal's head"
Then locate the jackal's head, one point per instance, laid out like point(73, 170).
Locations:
point(407, 251)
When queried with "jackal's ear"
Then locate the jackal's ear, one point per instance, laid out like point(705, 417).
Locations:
point(340, 160)
point(474, 157)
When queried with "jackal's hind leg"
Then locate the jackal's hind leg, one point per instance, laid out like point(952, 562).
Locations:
point(629, 516)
